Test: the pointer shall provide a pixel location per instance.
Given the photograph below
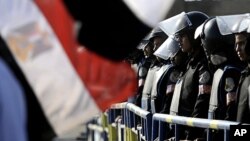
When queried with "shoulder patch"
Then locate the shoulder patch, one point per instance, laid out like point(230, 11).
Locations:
point(174, 76)
point(204, 77)
point(229, 84)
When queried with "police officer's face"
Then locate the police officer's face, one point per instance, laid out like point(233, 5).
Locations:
point(184, 43)
point(240, 44)
point(148, 51)
point(157, 42)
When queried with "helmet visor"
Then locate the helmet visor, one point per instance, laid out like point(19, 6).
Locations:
point(168, 49)
point(175, 24)
point(233, 23)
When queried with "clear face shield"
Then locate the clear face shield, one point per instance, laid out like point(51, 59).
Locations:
point(168, 49)
point(175, 24)
point(233, 23)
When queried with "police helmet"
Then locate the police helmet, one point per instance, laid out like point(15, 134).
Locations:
point(219, 48)
point(183, 23)
point(212, 39)
point(148, 39)
point(196, 18)
point(235, 24)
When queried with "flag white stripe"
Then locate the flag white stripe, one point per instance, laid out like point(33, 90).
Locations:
point(151, 12)
point(64, 98)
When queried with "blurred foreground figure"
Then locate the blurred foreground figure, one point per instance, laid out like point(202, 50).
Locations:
point(36, 125)
point(109, 38)
point(125, 24)
point(71, 83)
point(13, 116)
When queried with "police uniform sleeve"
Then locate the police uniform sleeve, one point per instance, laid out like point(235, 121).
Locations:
point(142, 75)
point(202, 102)
point(172, 79)
point(230, 88)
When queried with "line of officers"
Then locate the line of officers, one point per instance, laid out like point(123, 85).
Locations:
point(198, 66)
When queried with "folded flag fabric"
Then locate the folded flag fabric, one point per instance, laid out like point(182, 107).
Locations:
point(72, 81)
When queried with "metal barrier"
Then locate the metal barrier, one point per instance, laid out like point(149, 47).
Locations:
point(138, 123)
point(192, 122)
point(116, 118)
point(96, 129)
point(128, 122)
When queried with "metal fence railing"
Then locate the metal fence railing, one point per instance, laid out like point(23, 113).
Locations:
point(128, 122)
point(192, 122)
point(139, 122)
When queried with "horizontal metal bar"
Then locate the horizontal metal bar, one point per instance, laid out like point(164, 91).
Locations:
point(195, 122)
point(137, 110)
point(119, 105)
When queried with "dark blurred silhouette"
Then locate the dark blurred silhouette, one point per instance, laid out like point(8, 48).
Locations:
point(108, 27)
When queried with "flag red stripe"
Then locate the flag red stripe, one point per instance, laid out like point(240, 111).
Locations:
point(61, 23)
point(108, 82)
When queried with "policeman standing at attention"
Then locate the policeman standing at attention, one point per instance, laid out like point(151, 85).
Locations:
point(176, 59)
point(192, 91)
point(226, 66)
point(146, 46)
point(176, 63)
point(239, 26)
point(156, 38)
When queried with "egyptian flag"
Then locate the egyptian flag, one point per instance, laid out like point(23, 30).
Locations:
point(73, 62)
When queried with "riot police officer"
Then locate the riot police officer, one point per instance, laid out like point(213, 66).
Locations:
point(154, 39)
point(192, 90)
point(239, 26)
point(146, 46)
point(242, 41)
point(175, 61)
point(226, 67)
point(166, 76)
point(155, 99)
point(175, 64)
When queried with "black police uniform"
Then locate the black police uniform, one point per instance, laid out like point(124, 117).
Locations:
point(192, 93)
point(143, 68)
point(166, 87)
point(243, 112)
point(225, 65)
point(192, 90)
